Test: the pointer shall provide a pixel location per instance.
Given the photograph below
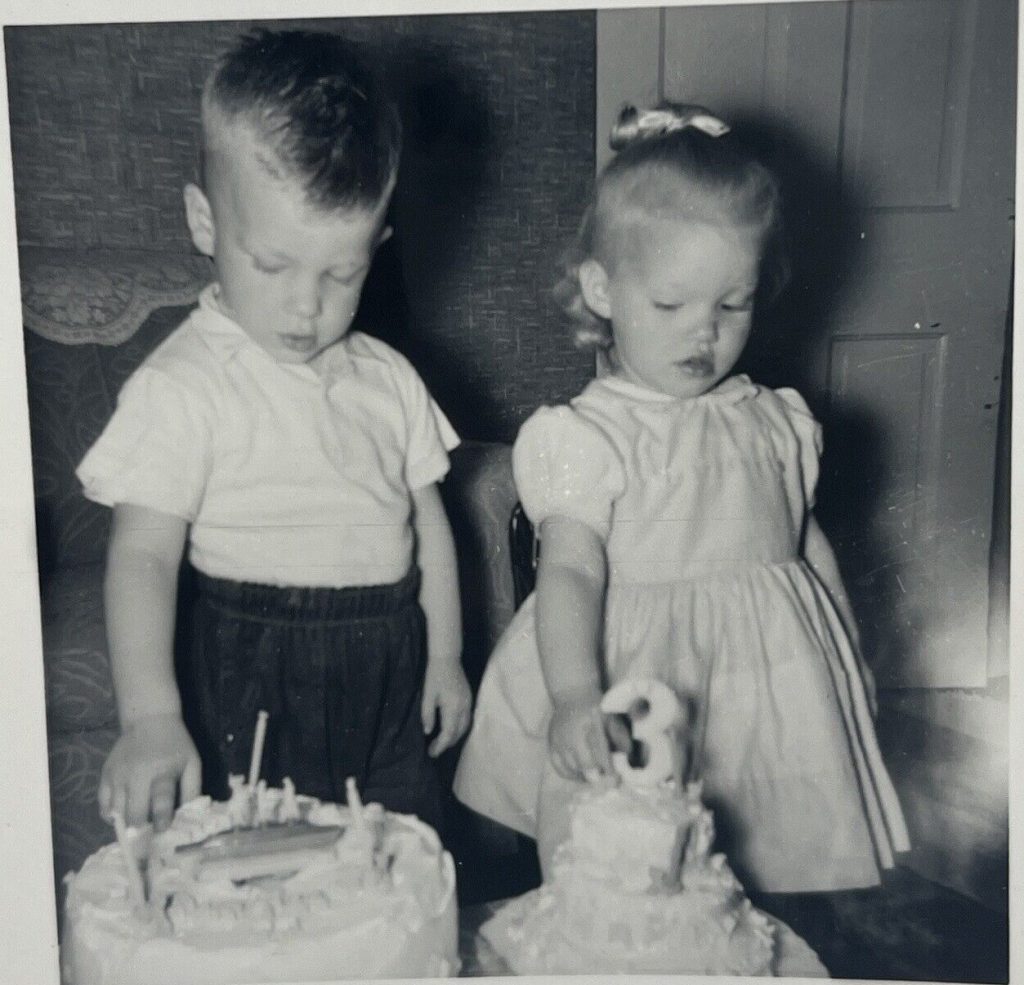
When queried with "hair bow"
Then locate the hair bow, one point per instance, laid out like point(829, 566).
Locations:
point(642, 124)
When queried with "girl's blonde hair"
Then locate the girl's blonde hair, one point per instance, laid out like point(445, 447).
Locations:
point(680, 162)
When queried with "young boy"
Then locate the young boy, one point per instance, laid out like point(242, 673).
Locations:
point(298, 462)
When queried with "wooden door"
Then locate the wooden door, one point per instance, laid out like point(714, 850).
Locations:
point(892, 122)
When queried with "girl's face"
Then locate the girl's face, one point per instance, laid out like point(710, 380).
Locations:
point(680, 300)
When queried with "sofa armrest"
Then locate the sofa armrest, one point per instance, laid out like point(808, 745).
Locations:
point(479, 495)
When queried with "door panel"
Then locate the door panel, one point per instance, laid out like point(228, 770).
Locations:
point(909, 65)
point(893, 123)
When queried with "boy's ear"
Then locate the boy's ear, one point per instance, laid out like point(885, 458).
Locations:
point(594, 287)
point(384, 235)
point(199, 216)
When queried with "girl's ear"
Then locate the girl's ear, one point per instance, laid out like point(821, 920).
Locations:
point(594, 288)
point(199, 216)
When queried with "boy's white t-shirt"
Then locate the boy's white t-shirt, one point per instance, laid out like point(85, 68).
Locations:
point(287, 474)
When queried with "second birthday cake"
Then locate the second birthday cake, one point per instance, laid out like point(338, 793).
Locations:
point(636, 887)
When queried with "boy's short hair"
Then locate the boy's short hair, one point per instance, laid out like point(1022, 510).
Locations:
point(310, 100)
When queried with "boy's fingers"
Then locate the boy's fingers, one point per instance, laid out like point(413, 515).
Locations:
point(428, 714)
point(105, 796)
point(191, 780)
point(162, 798)
point(116, 800)
point(136, 810)
point(446, 737)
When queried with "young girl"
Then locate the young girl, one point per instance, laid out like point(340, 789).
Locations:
point(674, 506)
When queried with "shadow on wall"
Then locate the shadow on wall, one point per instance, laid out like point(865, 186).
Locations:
point(785, 349)
point(448, 145)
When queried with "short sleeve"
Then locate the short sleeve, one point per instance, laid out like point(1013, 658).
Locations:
point(809, 439)
point(430, 435)
point(564, 466)
point(154, 452)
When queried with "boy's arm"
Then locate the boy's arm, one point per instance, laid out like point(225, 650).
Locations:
point(154, 753)
point(571, 584)
point(445, 690)
point(819, 555)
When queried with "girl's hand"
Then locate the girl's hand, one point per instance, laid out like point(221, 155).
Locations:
point(153, 760)
point(446, 700)
point(578, 741)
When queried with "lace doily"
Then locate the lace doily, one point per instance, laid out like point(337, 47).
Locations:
point(103, 296)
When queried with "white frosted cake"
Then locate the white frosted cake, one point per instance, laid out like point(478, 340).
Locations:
point(636, 890)
point(265, 887)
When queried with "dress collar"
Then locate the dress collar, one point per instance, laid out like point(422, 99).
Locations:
point(731, 390)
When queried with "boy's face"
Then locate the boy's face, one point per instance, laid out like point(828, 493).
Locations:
point(290, 275)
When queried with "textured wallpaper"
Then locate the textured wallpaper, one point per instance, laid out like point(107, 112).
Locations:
point(499, 117)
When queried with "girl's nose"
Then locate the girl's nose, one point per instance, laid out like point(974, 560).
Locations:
point(706, 328)
point(306, 296)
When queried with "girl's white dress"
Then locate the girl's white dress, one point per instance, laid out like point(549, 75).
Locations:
point(701, 504)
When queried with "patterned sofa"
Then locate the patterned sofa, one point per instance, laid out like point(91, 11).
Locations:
point(89, 321)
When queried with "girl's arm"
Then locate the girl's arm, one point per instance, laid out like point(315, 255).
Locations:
point(445, 690)
point(819, 555)
point(154, 753)
point(571, 582)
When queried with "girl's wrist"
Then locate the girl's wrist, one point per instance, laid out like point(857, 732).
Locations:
point(581, 696)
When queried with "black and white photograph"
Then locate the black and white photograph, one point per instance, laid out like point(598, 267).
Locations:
point(512, 490)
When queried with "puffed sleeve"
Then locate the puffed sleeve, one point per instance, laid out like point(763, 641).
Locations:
point(154, 452)
point(809, 439)
point(564, 466)
point(429, 434)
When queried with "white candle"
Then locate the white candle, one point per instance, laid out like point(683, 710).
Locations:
point(257, 748)
point(135, 884)
point(355, 804)
point(655, 716)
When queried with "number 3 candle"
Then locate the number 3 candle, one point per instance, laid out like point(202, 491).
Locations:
point(655, 717)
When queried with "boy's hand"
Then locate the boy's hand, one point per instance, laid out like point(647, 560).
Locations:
point(152, 759)
point(579, 740)
point(446, 701)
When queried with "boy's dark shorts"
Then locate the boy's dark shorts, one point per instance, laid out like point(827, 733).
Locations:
point(340, 672)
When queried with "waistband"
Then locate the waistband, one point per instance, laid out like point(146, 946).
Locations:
point(309, 603)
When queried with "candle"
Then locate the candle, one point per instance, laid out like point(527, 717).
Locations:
point(355, 804)
point(257, 748)
point(655, 715)
point(135, 884)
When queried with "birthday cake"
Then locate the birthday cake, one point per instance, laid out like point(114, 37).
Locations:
point(635, 888)
point(267, 886)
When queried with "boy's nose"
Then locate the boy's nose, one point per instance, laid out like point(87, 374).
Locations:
point(306, 297)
